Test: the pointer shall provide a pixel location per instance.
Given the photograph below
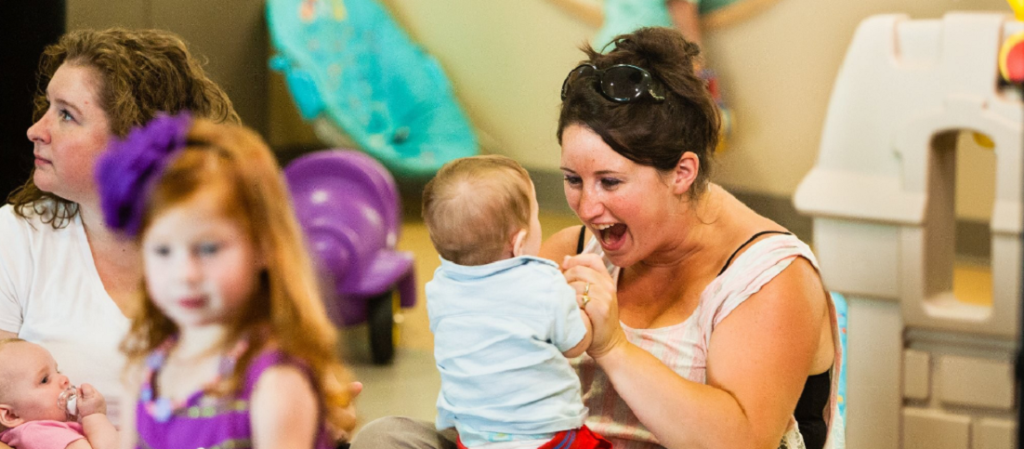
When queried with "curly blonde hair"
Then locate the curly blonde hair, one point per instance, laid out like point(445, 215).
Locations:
point(141, 72)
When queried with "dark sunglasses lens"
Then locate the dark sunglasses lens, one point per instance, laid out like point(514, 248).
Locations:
point(623, 83)
point(577, 73)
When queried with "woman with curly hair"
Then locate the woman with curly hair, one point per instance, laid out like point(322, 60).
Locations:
point(66, 279)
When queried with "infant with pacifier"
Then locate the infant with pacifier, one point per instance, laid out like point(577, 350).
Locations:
point(40, 409)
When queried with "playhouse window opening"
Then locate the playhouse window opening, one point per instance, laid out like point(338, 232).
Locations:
point(975, 198)
point(961, 199)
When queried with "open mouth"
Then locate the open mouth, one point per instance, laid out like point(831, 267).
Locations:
point(611, 235)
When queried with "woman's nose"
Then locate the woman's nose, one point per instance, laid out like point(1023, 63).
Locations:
point(589, 205)
point(38, 132)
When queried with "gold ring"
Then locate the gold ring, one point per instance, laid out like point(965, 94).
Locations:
point(586, 299)
point(586, 289)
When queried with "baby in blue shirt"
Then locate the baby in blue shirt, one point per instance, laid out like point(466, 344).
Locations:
point(503, 320)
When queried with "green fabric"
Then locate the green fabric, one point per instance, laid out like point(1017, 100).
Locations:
point(624, 16)
point(709, 6)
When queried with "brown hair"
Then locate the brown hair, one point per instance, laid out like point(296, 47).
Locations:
point(473, 205)
point(141, 72)
point(286, 309)
point(655, 134)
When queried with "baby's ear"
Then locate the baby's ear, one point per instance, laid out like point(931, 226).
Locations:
point(518, 239)
point(8, 418)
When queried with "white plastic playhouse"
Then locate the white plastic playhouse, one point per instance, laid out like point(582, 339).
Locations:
point(925, 370)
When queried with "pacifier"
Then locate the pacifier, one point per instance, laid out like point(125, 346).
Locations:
point(68, 402)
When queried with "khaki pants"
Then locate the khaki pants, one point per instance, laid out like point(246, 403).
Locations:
point(403, 433)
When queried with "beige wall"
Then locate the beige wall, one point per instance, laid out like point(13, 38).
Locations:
point(230, 34)
point(507, 60)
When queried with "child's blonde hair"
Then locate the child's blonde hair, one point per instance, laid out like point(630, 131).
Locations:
point(235, 164)
point(474, 205)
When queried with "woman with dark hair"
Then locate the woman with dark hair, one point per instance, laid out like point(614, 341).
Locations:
point(66, 280)
point(711, 325)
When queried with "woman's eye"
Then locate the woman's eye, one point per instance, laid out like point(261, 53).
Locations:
point(65, 115)
point(572, 180)
point(610, 182)
point(162, 251)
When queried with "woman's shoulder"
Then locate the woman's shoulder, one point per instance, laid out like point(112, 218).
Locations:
point(739, 226)
point(17, 233)
point(562, 243)
point(25, 234)
point(760, 249)
point(25, 220)
point(12, 223)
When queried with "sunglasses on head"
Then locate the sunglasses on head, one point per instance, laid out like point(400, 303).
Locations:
point(621, 83)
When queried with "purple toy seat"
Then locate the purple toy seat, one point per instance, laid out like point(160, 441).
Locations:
point(348, 205)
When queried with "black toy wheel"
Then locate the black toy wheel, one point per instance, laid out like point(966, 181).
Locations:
point(381, 319)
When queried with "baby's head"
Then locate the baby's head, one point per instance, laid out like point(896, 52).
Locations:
point(482, 209)
point(29, 384)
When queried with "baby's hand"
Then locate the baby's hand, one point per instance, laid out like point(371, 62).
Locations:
point(344, 435)
point(90, 401)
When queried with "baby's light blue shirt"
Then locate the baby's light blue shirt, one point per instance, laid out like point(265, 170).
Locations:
point(499, 333)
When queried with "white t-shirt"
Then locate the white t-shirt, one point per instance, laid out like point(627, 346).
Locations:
point(51, 294)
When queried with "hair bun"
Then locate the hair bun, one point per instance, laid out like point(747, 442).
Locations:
point(126, 171)
point(660, 46)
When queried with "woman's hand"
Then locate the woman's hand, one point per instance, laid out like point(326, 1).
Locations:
point(90, 401)
point(596, 295)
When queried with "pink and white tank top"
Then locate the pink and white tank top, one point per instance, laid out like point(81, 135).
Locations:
point(683, 347)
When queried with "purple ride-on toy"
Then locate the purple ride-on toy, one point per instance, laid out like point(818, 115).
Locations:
point(348, 206)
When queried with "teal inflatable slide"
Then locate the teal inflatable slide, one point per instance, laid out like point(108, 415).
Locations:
point(362, 82)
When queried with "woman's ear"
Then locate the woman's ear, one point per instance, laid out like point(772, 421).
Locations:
point(685, 173)
point(518, 239)
point(8, 418)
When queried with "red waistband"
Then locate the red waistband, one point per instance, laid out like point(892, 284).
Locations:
point(582, 438)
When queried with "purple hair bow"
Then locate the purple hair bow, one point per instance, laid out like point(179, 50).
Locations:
point(126, 172)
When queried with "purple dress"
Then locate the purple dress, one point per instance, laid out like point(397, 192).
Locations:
point(203, 421)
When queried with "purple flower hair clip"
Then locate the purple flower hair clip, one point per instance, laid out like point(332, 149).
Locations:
point(126, 172)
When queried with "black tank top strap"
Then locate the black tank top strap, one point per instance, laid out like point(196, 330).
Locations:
point(579, 244)
point(744, 245)
point(810, 409)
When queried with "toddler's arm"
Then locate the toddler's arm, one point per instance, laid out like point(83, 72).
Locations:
point(686, 17)
point(584, 344)
point(99, 431)
point(284, 410)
